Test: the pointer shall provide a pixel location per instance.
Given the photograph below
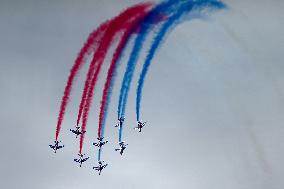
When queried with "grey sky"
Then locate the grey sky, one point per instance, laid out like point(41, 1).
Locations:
point(213, 99)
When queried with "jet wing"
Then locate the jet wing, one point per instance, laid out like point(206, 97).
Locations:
point(95, 144)
point(96, 168)
point(85, 159)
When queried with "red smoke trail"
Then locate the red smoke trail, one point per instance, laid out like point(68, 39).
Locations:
point(116, 25)
point(102, 29)
point(92, 42)
point(131, 28)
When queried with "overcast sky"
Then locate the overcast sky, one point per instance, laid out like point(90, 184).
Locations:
point(213, 100)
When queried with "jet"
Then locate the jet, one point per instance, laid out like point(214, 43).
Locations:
point(81, 159)
point(56, 146)
point(77, 131)
point(140, 125)
point(122, 146)
point(100, 167)
point(100, 142)
point(120, 122)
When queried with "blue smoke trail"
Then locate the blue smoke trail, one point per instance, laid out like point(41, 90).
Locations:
point(111, 86)
point(99, 155)
point(148, 21)
point(120, 134)
point(163, 8)
point(186, 8)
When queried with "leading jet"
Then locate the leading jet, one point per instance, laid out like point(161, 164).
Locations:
point(120, 122)
point(56, 146)
point(122, 147)
point(100, 167)
point(77, 132)
point(81, 159)
point(100, 142)
point(140, 125)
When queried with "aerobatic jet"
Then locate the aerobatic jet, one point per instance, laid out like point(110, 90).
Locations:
point(121, 148)
point(140, 125)
point(120, 122)
point(56, 146)
point(100, 142)
point(81, 159)
point(77, 132)
point(100, 167)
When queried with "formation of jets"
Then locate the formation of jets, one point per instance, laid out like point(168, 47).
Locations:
point(77, 132)
point(121, 148)
point(81, 159)
point(56, 146)
point(99, 144)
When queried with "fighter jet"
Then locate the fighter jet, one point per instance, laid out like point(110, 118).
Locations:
point(120, 122)
point(140, 125)
point(77, 131)
point(100, 142)
point(56, 146)
point(121, 148)
point(100, 167)
point(81, 159)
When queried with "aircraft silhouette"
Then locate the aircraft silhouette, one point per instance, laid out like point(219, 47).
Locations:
point(56, 146)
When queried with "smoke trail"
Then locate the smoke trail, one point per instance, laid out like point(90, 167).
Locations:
point(186, 8)
point(163, 9)
point(116, 25)
point(112, 71)
point(92, 68)
point(102, 29)
point(92, 41)
point(120, 134)
point(110, 81)
point(99, 154)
